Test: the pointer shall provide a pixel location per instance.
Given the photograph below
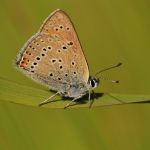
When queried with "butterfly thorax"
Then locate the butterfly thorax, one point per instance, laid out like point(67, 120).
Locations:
point(79, 88)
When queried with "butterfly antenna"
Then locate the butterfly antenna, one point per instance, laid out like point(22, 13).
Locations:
point(106, 79)
point(119, 64)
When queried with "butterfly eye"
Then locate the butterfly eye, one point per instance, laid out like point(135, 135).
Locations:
point(93, 83)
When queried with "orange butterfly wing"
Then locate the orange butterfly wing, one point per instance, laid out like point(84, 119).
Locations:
point(54, 54)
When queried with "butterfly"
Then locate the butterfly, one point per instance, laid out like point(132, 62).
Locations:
point(54, 57)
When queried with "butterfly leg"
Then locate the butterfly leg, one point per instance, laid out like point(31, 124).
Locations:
point(90, 103)
point(121, 102)
point(67, 105)
point(48, 99)
point(89, 96)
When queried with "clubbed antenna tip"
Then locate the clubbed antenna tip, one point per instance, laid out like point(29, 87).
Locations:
point(119, 64)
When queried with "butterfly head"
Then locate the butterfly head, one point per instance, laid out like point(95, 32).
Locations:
point(93, 82)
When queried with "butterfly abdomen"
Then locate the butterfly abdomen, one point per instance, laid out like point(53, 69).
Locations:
point(76, 90)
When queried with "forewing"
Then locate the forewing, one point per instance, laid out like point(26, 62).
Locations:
point(54, 54)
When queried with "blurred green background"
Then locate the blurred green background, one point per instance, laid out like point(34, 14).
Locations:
point(110, 31)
